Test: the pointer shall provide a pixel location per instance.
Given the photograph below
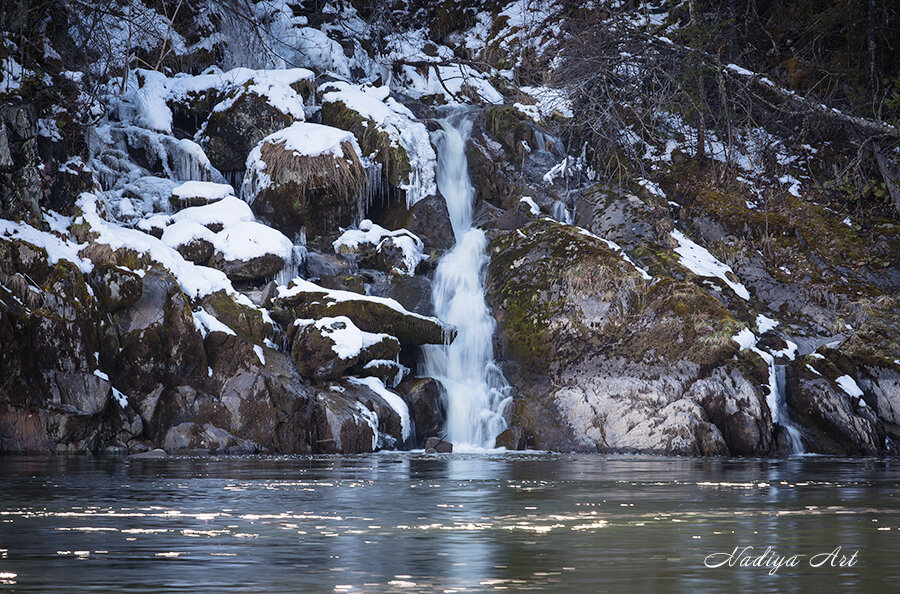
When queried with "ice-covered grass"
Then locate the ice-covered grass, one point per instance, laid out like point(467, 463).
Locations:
point(375, 236)
point(312, 140)
point(698, 260)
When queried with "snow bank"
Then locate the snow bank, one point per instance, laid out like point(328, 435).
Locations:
point(246, 240)
point(226, 212)
point(57, 249)
point(208, 191)
point(184, 232)
point(195, 281)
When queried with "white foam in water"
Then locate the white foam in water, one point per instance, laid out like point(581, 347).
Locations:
point(475, 386)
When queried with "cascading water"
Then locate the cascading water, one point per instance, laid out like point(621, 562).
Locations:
point(783, 418)
point(475, 386)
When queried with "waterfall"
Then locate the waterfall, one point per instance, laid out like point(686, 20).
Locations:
point(780, 386)
point(475, 388)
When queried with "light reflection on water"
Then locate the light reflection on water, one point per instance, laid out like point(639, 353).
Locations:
point(411, 522)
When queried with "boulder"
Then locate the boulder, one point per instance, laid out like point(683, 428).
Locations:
point(328, 348)
point(426, 404)
point(158, 340)
point(240, 315)
point(193, 437)
point(154, 454)
point(412, 292)
point(436, 445)
point(238, 124)
point(197, 193)
point(378, 139)
point(397, 252)
point(430, 221)
point(511, 439)
point(343, 425)
point(308, 177)
point(306, 300)
point(832, 409)
point(394, 431)
point(250, 251)
point(605, 361)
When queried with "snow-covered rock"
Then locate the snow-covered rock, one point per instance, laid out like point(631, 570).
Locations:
point(306, 178)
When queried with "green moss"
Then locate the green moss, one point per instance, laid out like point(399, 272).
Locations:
point(246, 321)
point(503, 122)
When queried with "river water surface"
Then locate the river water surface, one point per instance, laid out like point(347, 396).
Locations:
point(409, 522)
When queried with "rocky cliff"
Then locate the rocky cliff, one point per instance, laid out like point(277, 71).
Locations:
point(219, 224)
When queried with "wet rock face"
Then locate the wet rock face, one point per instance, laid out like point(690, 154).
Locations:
point(428, 219)
point(115, 287)
point(159, 343)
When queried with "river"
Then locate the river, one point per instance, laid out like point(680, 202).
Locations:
point(412, 522)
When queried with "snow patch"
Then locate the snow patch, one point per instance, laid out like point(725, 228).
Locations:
point(698, 260)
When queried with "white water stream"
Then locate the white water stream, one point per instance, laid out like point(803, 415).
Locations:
point(475, 387)
point(780, 385)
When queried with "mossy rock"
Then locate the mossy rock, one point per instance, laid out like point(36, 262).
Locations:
point(115, 287)
point(373, 141)
point(20, 256)
point(504, 124)
point(319, 194)
point(560, 294)
point(246, 321)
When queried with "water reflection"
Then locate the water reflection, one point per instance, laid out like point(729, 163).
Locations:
point(415, 522)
